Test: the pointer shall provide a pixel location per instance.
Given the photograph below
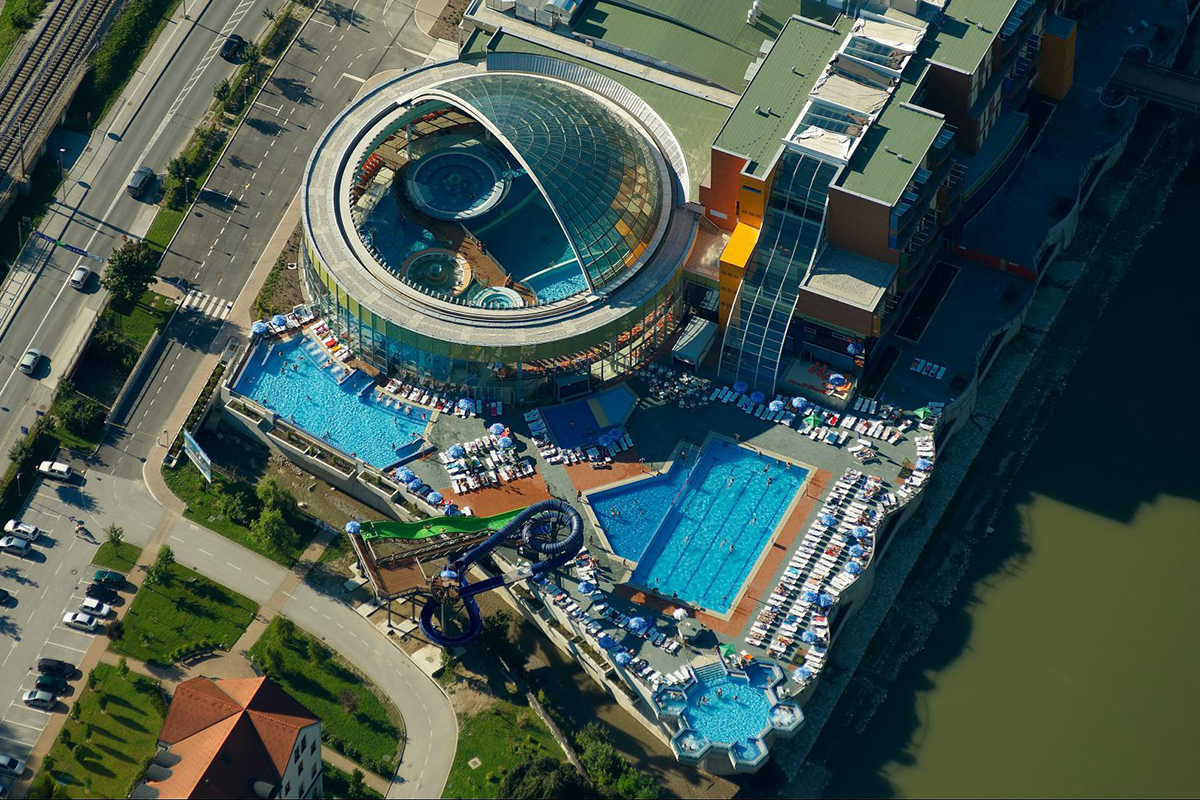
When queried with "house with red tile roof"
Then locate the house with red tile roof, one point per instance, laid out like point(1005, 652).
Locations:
point(235, 738)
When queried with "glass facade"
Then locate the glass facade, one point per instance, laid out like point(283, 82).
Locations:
point(598, 172)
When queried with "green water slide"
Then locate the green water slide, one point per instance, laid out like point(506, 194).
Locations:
point(437, 526)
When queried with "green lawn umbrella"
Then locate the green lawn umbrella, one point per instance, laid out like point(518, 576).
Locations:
point(923, 413)
point(728, 651)
point(812, 420)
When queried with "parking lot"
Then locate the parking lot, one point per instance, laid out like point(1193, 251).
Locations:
point(46, 584)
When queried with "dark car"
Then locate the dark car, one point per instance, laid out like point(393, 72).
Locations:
point(53, 684)
point(52, 666)
point(5, 597)
point(104, 594)
point(109, 578)
point(232, 47)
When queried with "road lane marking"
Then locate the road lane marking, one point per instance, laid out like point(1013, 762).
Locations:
point(210, 555)
point(235, 566)
point(260, 580)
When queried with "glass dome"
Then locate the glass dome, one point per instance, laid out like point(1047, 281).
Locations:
point(596, 170)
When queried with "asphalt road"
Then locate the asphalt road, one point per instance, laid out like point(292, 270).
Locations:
point(150, 123)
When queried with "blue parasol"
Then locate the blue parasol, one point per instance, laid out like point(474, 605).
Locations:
point(456, 451)
point(740, 387)
point(853, 567)
point(757, 397)
point(605, 440)
point(587, 587)
point(404, 474)
point(258, 328)
point(448, 573)
point(505, 443)
point(802, 674)
point(808, 637)
point(435, 498)
point(808, 596)
point(860, 532)
point(798, 402)
point(496, 428)
point(415, 483)
point(450, 510)
point(824, 600)
point(857, 551)
point(837, 379)
point(279, 321)
point(353, 526)
point(924, 464)
point(622, 659)
point(854, 349)
point(776, 406)
point(466, 403)
point(607, 642)
point(637, 623)
point(828, 520)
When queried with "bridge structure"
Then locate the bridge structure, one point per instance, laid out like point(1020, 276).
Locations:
point(1159, 84)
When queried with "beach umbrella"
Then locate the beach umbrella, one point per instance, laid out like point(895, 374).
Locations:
point(605, 440)
point(740, 387)
point(496, 428)
point(857, 551)
point(831, 437)
point(808, 596)
point(466, 403)
point(622, 659)
point(404, 474)
point(607, 642)
point(757, 397)
point(415, 483)
point(808, 637)
point(860, 532)
point(679, 614)
point(506, 443)
point(451, 510)
point(824, 600)
point(435, 498)
point(279, 320)
point(448, 573)
point(776, 406)
point(837, 379)
point(801, 674)
point(353, 526)
point(258, 328)
point(812, 420)
point(727, 651)
point(854, 349)
point(853, 568)
point(923, 413)
point(798, 402)
point(587, 587)
point(456, 451)
point(637, 623)
point(924, 464)
point(828, 520)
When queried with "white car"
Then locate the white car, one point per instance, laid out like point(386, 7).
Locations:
point(80, 621)
point(30, 360)
point(95, 608)
point(56, 469)
point(79, 277)
point(39, 699)
point(22, 530)
point(11, 544)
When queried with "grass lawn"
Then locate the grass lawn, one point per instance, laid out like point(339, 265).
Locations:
point(337, 784)
point(501, 736)
point(122, 741)
point(370, 733)
point(162, 228)
point(80, 443)
point(204, 508)
point(139, 322)
point(120, 559)
point(185, 612)
point(17, 17)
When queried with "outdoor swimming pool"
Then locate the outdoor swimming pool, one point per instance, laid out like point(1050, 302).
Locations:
point(702, 541)
point(558, 282)
point(733, 711)
point(311, 398)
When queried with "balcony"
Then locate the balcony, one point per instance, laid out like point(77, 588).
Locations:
point(1020, 22)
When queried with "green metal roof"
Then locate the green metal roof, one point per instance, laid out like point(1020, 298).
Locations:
point(890, 152)
point(970, 28)
point(694, 120)
point(708, 38)
point(773, 100)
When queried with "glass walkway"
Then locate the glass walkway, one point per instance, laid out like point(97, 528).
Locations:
point(791, 233)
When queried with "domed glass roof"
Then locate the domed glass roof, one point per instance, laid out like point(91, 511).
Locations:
point(596, 170)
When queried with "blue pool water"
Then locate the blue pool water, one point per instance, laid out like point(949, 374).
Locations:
point(630, 514)
point(736, 715)
point(573, 424)
point(456, 182)
point(703, 543)
point(312, 399)
point(558, 283)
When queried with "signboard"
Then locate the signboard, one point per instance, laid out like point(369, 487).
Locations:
point(72, 248)
point(198, 456)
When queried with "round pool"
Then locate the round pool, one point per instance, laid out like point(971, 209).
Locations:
point(438, 271)
point(497, 297)
point(456, 183)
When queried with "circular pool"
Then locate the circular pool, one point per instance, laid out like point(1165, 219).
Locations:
point(456, 183)
point(497, 297)
point(438, 271)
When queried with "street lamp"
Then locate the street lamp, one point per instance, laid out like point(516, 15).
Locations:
point(61, 152)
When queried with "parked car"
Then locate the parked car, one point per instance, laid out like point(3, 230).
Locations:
point(107, 577)
point(18, 547)
point(53, 684)
point(11, 765)
point(57, 470)
point(140, 181)
point(52, 666)
point(5, 597)
point(97, 608)
point(232, 48)
point(105, 594)
point(80, 276)
point(22, 530)
point(39, 699)
point(80, 621)
point(30, 360)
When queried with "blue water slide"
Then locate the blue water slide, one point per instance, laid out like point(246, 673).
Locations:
point(451, 586)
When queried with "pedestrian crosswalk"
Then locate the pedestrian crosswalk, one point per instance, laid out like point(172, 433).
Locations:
point(206, 305)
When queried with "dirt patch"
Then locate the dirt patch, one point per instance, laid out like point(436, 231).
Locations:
point(281, 291)
point(446, 26)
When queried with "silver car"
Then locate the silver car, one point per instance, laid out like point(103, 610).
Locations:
point(11, 544)
point(11, 765)
point(30, 360)
point(80, 621)
point(79, 277)
point(39, 699)
point(22, 530)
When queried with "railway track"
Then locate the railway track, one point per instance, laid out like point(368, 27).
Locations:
point(59, 49)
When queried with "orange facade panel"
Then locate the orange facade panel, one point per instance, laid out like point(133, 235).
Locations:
point(734, 258)
point(1056, 65)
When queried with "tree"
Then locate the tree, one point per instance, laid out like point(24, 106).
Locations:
point(252, 53)
point(79, 415)
point(160, 570)
point(68, 741)
point(356, 787)
point(116, 629)
point(114, 535)
point(349, 701)
point(123, 667)
point(221, 92)
point(272, 494)
point(102, 702)
point(275, 662)
point(496, 637)
point(239, 505)
point(271, 529)
point(544, 777)
point(45, 786)
point(130, 271)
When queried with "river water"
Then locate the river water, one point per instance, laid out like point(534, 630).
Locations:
point(1068, 662)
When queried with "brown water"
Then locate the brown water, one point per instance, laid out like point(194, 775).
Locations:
point(1067, 662)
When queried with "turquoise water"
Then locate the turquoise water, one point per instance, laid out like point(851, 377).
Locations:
point(456, 182)
point(311, 398)
point(734, 716)
point(558, 283)
point(630, 514)
point(714, 533)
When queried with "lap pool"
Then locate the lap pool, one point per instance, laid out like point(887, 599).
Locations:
point(291, 382)
point(697, 531)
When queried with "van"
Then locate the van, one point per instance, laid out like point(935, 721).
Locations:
point(140, 181)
